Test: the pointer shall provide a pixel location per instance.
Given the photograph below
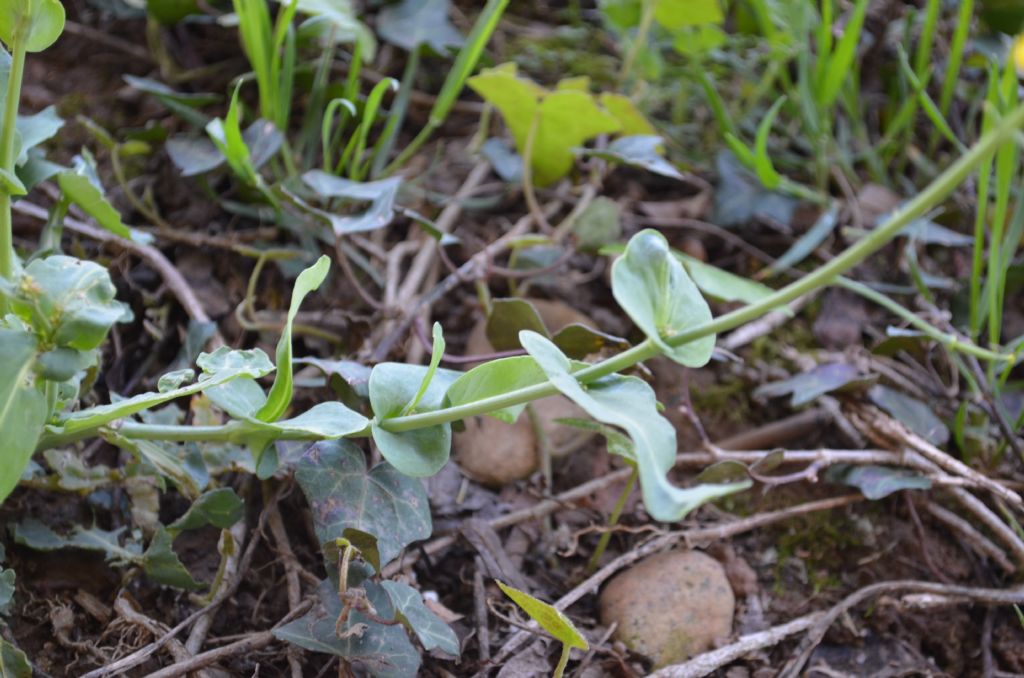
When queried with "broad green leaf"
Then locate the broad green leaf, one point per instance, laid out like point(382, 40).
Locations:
point(10, 183)
point(433, 633)
point(652, 288)
point(508, 317)
point(34, 23)
point(218, 367)
point(639, 151)
point(221, 508)
point(720, 284)
point(13, 662)
point(809, 386)
point(162, 565)
point(69, 302)
point(566, 118)
point(280, 395)
point(876, 482)
point(380, 194)
point(61, 364)
point(342, 494)
point(630, 404)
point(549, 617)
point(83, 193)
point(384, 650)
point(35, 129)
point(631, 121)
point(393, 386)
point(494, 378)
point(696, 41)
point(22, 406)
point(673, 14)
point(328, 420)
point(412, 23)
point(239, 398)
point(436, 353)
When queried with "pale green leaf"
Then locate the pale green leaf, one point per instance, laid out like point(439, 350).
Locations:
point(549, 617)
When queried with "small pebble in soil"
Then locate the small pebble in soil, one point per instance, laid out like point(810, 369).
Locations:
point(670, 606)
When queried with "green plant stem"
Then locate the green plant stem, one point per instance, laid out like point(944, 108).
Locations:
point(613, 520)
point(563, 661)
point(949, 340)
point(646, 21)
point(825, 275)
point(7, 158)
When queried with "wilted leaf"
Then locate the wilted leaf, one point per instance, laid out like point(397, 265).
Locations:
point(912, 413)
point(652, 288)
point(578, 341)
point(432, 632)
point(549, 617)
point(384, 650)
point(639, 151)
point(380, 194)
point(876, 482)
point(809, 386)
point(343, 494)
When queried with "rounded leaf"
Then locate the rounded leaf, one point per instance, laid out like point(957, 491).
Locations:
point(35, 23)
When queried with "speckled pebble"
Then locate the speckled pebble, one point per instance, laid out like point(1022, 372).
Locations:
point(670, 606)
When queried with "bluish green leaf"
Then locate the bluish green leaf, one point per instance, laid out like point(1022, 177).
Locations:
point(433, 633)
point(912, 413)
point(720, 284)
point(411, 23)
point(35, 129)
point(384, 650)
point(494, 378)
point(507, 318)
point(639, 151)
point(652, 288)
point(876, 482)
point(393, 386)
point(809, 386)
point(630, 404)
point(22, 406)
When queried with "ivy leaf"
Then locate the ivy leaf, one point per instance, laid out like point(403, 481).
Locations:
point(384, 650)
point(913, 413)
point(565, 118)
point(280, 395)
point(652, 287)
point(7, 579)
point(412, 23)
point(393, 386)
point(631, 120)
point(35, 23)
point(220, 507)
point(674, 14)
point(630, 404)
point(549, 617)
point(343, 494)
point(428, 627)
point(22, 406)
